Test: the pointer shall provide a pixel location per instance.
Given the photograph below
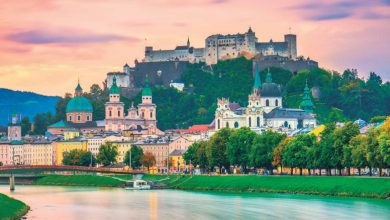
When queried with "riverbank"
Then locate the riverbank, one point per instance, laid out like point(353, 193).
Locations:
point(79, 180)
point(368, 187)
point(314, 185)
point(11, 208)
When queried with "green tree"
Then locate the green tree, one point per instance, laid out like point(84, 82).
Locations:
point(262, 150)
point(26, 125)
point(41, 121)
point(87, 159)
point(372, 149)
point(190, 156)
point(201, 156)
point(296, 152)
point(136, 155)
point(1, 163)
point(326, 149)
point(359, 151)
point(72, 158)
point(383, 152)
point(107, 154)
point(238, 147)
point(342, 138)
point(216, 149)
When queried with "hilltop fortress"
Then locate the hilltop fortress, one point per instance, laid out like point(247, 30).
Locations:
point(221, 47)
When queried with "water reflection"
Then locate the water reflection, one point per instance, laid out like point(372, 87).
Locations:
point(107, 203)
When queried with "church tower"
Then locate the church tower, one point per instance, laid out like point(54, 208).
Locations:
point(14, 128)
point(78, 90)
point(114, 109)
point(147, 110)
point(307, 103)
point(254, 110)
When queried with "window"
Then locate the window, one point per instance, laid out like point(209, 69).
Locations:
point(87, 117)
point(258, 121)
point(250, 122)
point(119, 113)
point(276, 102)
point(70, 118)
point(267, 102)
point(227, 124)
point(78, 117)
point(151, 114)
point(235, 124)
point(143, 115)
point(110, 113)
point(218, 124)
point(286, 124)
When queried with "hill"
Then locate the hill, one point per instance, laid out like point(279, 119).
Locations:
point(26, 103)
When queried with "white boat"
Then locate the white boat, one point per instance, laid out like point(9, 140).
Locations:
point(137, 184)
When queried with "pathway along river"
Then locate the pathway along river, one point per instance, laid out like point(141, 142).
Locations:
point(52, 202)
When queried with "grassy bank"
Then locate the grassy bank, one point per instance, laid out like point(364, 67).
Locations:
point(332, 186)
point(11, 208)
point(78, 180)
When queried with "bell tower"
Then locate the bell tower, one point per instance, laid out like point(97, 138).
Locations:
point(15, 128)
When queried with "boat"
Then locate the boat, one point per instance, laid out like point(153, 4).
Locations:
point(137, 185)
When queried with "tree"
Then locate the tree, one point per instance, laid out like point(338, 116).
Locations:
point(201, 156)
point(41, 121)
point(372, 149)
point(342, 138)
point(26, 126)
point(1, 163)
point(239, 145)
point(87, 159)
point(296, 152)
point(148, 160)
point(72, 158)
point(261, 153)
point(190, 156)
point(136, 155)
point(216, 149)
point(359, 151)
point(107, 154)
point(277, 159)
point(383, 152)
point(326, 149)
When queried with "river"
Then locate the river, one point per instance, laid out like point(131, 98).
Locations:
point(54, 202)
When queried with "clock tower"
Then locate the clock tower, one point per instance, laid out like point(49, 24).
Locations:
point(14, 128)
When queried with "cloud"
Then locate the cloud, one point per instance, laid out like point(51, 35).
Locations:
point(330, 16)
point(65, 37)
point(218, 1)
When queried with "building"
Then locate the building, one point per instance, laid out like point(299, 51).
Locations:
point(79, 116)
point(14, 128)
point(141, 118)
point(176, 161)
point(220, 47)
point(265, 110)
point(63, 146)
point(159, 147)
point(179, 143)
point(263, 62)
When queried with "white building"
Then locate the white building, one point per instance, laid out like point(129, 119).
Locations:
point(264, 110)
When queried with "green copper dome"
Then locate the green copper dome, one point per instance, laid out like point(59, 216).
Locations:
point(114, 88)
point(147, 91)
point(79, 104)
point(257, 83)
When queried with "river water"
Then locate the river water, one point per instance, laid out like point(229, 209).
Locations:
point(68, 203)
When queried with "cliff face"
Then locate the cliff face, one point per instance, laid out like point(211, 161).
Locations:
point(26, 103)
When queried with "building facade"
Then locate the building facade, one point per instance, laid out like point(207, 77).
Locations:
point(221, 47)
point(265, 110)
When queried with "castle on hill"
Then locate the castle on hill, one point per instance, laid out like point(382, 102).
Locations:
point(221, 47)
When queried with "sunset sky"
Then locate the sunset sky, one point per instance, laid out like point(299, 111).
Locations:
point(45, 45)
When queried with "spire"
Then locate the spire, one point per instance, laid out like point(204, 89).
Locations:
point(147, 91)
point(307, 103)
point(78, 89)
point(257, 83)
point(114, 88)
point(188, 42)
point(268, 78)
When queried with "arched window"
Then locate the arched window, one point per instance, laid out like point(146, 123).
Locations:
point(235, 124)
point(276, 102)
point(143, 115)
point(78, 117)
point(286, 124)
point(119, 113)
point(87, 117)
point(227, 124)
point(151, 114)
point(70, 118)
point(250, 122)
point(110, 113)
point(267, 102)
point(218, 124)
point(258, 121)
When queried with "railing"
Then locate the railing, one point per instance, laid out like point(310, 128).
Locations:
point(75, 168)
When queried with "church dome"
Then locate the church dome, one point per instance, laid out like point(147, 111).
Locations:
point(147, 91)
point(79, 104)
point(271, 90)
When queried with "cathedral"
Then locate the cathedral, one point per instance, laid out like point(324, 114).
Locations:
point(141, 119)
point(265, 110)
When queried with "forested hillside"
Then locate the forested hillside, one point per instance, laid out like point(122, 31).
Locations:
point(341, 96)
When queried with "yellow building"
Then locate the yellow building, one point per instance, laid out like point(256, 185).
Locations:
point(61, 147)
point(71, 134)
point(123, 148)
point(177, 163)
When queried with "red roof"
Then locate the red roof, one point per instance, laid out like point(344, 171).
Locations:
point(195, 129)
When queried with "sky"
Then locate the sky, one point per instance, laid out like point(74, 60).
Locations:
point(46, 45)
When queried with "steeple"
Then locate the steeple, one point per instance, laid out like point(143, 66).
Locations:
point(188, 42)
point(147, 91)
point(307, 103)
point(257, 83)
point(114, 88)
point(268, 78)
point(78, 89)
